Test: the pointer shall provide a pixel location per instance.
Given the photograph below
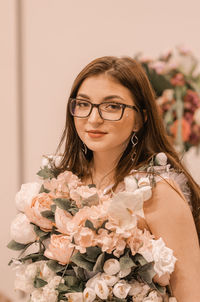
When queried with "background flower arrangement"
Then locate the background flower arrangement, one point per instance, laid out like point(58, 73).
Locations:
point(86, 246)
point(176, 81)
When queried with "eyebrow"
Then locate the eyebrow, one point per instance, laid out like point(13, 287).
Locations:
point(109, 97)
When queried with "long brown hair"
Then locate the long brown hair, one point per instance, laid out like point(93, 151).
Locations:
point(152, 135)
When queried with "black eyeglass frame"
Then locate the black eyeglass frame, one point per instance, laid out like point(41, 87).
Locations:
point(99, 111)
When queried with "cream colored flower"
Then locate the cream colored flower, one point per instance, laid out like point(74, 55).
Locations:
point(101, 289)
point(121, 289)
point(26, 194)
point(111, 266)
point(21, 230)
point(153, 297)
point(161, 159)
point(163, 258)
point(62, 219)
point(92, 281)
point(124, 273)
point(75, 297)
point(143, 181)
point(109, 279)
point(130, 183)
point(89, 295)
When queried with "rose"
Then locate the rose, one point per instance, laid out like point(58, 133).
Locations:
point(59, 249)
point(111, 266)
point(74, 297)
point(42, 202)
point(26, 194)
point(92, 281)
point(22, 282)
point(101, 289)
point(124, 273)
point(84, 237)
point(138, 289)
point(161, 159)
point(62, 218)
point(121, 289)
point(163, 257)
point(89, 295)
point(21, 230)
point(143, 181)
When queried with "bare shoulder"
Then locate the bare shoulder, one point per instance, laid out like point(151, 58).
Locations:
point(168, 215)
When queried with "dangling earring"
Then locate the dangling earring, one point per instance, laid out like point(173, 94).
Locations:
point(134, 141)
point(84, 148)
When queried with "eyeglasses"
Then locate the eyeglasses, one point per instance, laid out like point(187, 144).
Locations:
point(110, 111)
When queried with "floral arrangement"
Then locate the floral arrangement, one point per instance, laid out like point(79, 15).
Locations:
point(78, 244)
point(176, 81)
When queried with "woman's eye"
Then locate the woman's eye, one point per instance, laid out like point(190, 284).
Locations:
point(112, 106)
point(82, 104)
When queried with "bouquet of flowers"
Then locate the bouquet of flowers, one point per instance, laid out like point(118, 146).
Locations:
point(78, 244)
point(176, 81)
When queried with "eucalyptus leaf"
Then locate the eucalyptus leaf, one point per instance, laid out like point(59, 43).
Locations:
point(139, 259)
point(93, 251)
point(71, 281)
point(63, 203)
point(98, 267)
point(39, 232)
point(46, 173)
point(126, 262)
point(55, 266)
point(48, 214)
point(34, 257)
point(63, 288)
point(91, 201)
point(80, 261)
point(38, 283)
point(16, 246)
point(146, 272)
point(79, 271)
point(43, 190)
point(53, 208)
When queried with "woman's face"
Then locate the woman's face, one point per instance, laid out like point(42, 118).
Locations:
point(102, 135)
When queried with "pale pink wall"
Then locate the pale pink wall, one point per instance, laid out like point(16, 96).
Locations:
point(59, 38)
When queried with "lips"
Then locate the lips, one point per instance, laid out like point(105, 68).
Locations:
point(95, 133)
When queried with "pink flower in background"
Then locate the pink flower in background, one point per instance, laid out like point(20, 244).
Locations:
point(59, 249)
point(186, 129)
point(42, 202)
point(178, 80)
point(159, 66)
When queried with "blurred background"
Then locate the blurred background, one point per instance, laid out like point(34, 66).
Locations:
point(43, 45)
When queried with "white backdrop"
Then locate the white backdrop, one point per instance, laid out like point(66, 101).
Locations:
point(58, 38)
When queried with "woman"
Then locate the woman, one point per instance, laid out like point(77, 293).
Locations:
point(113, 129)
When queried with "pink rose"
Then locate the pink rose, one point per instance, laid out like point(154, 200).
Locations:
point(59, 249)
point(85, 237)
point(62, 218)
point(82, 193)
point(42, 202)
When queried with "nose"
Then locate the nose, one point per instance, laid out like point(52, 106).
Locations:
point(94, 116)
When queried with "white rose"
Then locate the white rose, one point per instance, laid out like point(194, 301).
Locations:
point(143, 181)
point(163, 257)
point(26, 194)
point(45, 162)
point(110, 280)
point(197, 116)
point(75, 297)
point(21, 230)
point(145, 191)
point(22, 283)
point(31, 271)
point(111, 266)
point(101, 289)
point(121, 289)
point(136, 288)
point(89, 295)
point(130, 183)
point(46, 272)
point(36, 296)
point(161, 159)
point(50, 294)
point(54, 282)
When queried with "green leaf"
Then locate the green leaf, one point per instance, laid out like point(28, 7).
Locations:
point(43, 190)
point(34, 257)
point(79, 271)
point(46, 173)
point(48, 214)
point(93, 252)
point(126, 262)
point(92, 186)
point(91, 201)
point(53, 208)
point(63, 288)
point(16, 246)
point(39, 282)
point(98, 267)
point(89, 224)
point(63, 203)
point(71, 281)
point(146, 272)
point(80, 261)
point(139, 259)
point(39, 232)
point(55, 266)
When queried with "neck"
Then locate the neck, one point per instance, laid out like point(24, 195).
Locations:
point(103, 167)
